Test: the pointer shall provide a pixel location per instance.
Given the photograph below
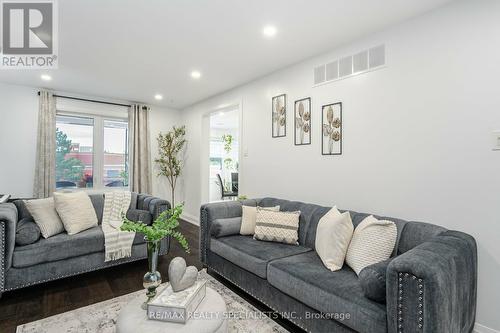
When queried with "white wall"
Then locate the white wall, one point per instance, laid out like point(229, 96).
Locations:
point(417, 134)
point(18, 130)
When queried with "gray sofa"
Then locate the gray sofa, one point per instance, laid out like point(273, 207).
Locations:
point(429, 285)
point(63, 255)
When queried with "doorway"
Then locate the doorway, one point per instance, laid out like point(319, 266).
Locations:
point(224, 148)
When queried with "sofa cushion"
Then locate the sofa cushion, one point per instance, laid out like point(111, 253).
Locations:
point(27, 232)
point(251, 254)
point(62, 246)
point(306, 279)
point(45, 216)
point(373, 280)
point(76, 211)
point(226, 227)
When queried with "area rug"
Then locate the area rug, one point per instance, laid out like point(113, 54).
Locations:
point(101, 317)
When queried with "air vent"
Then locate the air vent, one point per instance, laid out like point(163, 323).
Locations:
point(344, 67)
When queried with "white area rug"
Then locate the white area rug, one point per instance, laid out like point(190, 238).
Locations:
point(101, 317)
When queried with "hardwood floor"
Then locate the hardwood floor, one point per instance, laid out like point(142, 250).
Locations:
point(48, 299)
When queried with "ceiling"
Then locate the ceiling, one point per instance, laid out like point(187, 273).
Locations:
point(132, 50)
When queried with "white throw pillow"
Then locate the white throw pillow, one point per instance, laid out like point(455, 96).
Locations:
point(275, 226)
point(373, 241)
point(248, 218)
point(76, 211)
point(333, 235)
point(45, 216)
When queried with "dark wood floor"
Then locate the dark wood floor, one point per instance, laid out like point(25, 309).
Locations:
point(48, 299)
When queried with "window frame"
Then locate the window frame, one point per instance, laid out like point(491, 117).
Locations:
point(98, 148)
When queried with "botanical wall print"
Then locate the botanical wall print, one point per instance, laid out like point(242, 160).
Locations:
point(302, 111)
point(279, 116)
point(331, 120)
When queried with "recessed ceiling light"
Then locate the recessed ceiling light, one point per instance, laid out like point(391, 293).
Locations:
point(46, 77)
point(158, 97)
point(221, 113)
point(195, 74)
point(269, 31)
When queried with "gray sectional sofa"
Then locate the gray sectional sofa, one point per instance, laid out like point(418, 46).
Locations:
point(63, 255)
point(429, 283)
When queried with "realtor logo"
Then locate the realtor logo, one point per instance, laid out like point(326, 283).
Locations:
point(29, 34)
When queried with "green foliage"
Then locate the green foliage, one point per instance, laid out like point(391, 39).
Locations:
point(66, 168)
point(228, 142)
point(242, 197)
point(124, 176)
point(170, 163)
point(165, 225)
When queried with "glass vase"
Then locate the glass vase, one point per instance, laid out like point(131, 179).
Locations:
point(152, 279)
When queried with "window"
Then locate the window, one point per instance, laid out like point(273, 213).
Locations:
point(91, 151)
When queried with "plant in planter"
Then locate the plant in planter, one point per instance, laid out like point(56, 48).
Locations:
point(170, 162)
point(165, 225)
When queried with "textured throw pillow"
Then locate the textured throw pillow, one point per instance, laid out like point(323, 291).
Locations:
point(282, 227)
point(76, 211)
point(45, 216)
point(27, 232)
point(373, 241)
point(248, 218)
point(373, 280)
point(333, 235)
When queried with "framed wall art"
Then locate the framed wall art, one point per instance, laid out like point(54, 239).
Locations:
point(302, 128)
point(279, 116)
point(331, 127)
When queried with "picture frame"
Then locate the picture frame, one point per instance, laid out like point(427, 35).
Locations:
point(331, 129)
point(302, 121)
point(278, 116)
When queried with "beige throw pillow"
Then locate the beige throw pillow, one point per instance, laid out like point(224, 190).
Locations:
point(333, 235)
point(76, 211)
point(282, 227)
point(45, 216)
point(373, 241)
point(248, 218)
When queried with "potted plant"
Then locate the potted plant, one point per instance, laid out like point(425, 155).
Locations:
point(170, 148)
point(164, 226)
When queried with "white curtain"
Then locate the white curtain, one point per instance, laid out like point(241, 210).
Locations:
point(45, 168)
point(140, 155)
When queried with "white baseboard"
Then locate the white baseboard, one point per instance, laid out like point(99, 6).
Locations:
point(478, 328)
point(190, 218)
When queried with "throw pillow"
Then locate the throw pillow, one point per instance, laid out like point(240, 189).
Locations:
point(225, 227)
point(272, 226)
point(76, 211)
point(45, 216)
point(27, 232)
point(373, 280)
point(333, 235)
point(373, 241)
point(248, 219)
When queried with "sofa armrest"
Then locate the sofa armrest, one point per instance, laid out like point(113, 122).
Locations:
point(433, 287)
point(158, 206)
point(209, 213)
point(8, 221)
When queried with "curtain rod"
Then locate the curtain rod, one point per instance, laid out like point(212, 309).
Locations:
point(90, 100)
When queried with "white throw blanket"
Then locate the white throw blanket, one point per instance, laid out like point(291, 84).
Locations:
point(117, 243)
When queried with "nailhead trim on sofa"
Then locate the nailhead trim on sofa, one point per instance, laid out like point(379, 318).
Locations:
point(402, 284)
point(2, 257)
point(124, 261)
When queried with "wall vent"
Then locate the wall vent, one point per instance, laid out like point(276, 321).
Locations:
point(344, 67)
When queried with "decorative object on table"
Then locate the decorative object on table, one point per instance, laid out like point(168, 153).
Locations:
point(279, 116)
point(165, 225)
point(4, 198)
point(331, 120)
point(174, 306)
point(302, 110)
point(180, 276)
point(170, 161)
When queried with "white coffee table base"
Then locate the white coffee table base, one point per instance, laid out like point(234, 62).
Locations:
point(208, 318)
